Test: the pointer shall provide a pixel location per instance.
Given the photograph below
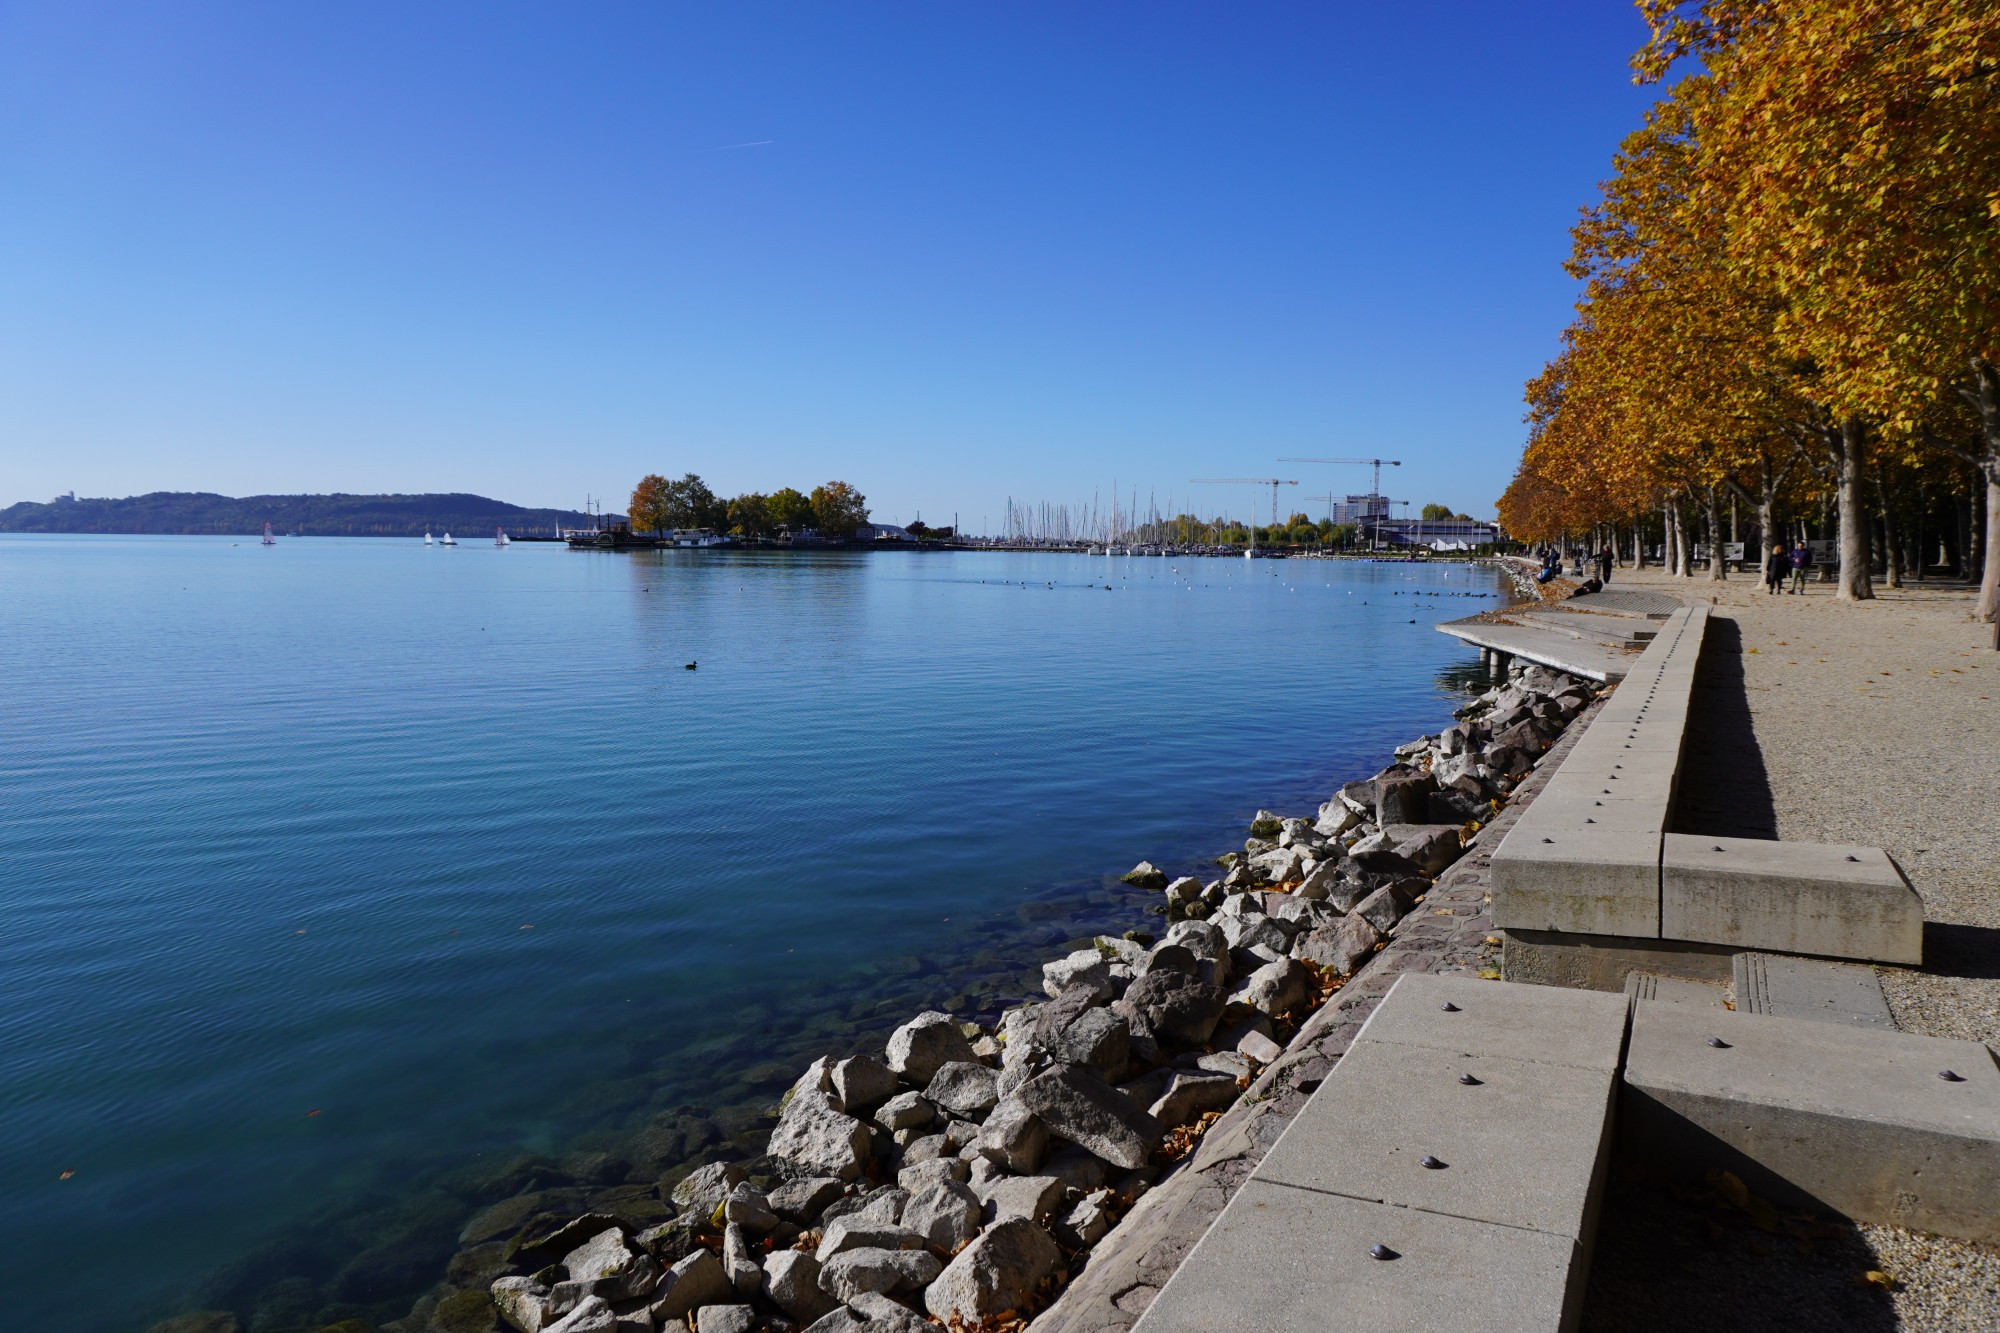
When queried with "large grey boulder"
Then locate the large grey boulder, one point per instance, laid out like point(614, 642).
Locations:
point(606, 1265)
point(946, 1214)
point(750, 1208)
point(1383, 908)
point(1208, 944)
point(1430, 847)
point(725, 1319)
point(593, 1315)
point(930, 1040)
point(1342, 945)
point(1097, 1038)
point(1400, 788)
point(791, 1282)
point(523, 1303)
point(803, 1198)
point(862, 1083)
point(964, 1087)
point(852, 1272)
point(814, 1138)
point(998, 1271)
point(1085, 967)
point(1184, 890)
point(887, 1315)
point(1175, 1006)
point(1013, 1137)
point(1166, 957)
point(739, 1264)
point(849, 1233)
point(1082, 1108)
point(1191, 1094)
point(1277, 988)
point(706, 1186)
point(1087, 1221)
point(1019, 1196)
point(695, 1281)
point(914, 1180)
point(906, 1110)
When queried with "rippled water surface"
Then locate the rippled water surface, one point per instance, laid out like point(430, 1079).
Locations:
point(337, 869)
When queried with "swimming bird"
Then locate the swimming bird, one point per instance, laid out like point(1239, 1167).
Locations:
point(690, 666)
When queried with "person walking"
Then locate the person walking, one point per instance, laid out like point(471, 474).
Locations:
point(1604, 559)
point(1779, 566)
point(1801, 566)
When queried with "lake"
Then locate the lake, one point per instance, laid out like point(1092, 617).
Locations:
point(345, 876)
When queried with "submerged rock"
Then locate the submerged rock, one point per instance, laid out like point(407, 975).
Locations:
point(1145, 875)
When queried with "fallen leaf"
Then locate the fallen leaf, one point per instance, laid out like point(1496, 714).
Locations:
point(1875, 1277)
point(67, 1174)
point(1489, 974)
point(1730, 1189)
point(310, 1114)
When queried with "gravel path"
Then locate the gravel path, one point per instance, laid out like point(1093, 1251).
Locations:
point(1874, 723)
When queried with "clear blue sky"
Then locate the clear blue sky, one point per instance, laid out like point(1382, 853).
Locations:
point(946, 251)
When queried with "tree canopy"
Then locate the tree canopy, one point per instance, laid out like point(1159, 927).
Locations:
point(1790, 284)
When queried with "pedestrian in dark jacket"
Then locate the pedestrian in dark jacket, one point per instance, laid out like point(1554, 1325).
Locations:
point(1779, 566)
point(1801, 564)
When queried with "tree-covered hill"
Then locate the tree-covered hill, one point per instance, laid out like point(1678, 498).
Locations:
point(313, 515)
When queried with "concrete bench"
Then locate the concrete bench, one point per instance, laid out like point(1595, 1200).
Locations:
point(1826, 1116)
point(1594, 855)
point(1465, 1132)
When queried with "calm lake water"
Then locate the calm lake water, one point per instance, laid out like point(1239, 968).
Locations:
point(340, 871)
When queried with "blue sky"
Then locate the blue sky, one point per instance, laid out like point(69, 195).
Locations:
point(964, 251)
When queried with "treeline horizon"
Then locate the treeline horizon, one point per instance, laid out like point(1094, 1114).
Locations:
point(337, 514)
point(1791, 298)
point(832, 509)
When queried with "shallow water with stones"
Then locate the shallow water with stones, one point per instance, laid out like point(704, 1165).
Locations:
point(354, 886)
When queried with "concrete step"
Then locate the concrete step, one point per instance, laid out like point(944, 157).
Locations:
point(1667, 989)
point(1620, 631)
point(1877, 1126)
point(1811, 988)
point(1789, 897)
point(1466, 1129)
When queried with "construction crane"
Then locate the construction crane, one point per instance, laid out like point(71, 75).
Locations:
point(1273, 482)
point(1375, 486)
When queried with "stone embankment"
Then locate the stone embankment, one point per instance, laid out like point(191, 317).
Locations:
point(1057, 1166)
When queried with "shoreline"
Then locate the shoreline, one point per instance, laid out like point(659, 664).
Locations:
point(494, 1236)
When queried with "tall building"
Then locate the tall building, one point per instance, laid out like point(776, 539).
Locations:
point(1360, 509)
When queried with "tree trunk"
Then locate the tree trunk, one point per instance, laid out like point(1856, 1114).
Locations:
point(1683, 546)
point(1986, 383)
point(1718, 568)
point(1892, 546)
point(1846, 446)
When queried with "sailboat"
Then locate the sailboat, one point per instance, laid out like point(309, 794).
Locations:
point(446, 540)
point(427, 539)
point(499, 536)
point(269, 540)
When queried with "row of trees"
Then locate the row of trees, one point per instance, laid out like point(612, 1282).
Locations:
point(1791, 289)
point(835, 509)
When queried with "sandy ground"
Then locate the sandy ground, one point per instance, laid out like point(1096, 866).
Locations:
point(1875, 723)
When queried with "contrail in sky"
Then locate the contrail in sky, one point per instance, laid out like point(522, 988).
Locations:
point(754, 143)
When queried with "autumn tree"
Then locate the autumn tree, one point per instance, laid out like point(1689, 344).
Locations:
point(838, 509)
point(648, 509)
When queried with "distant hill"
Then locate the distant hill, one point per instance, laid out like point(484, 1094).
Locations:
point(313, 515)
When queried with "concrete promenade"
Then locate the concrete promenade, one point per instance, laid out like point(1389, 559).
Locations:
point(1846, 1113)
